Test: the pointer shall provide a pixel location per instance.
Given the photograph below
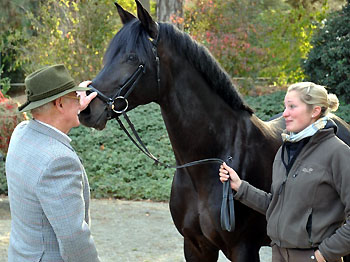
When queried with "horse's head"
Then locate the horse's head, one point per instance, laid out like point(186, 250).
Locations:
point(130, 73)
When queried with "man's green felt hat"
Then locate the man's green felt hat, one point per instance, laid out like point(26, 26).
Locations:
point(46, 85)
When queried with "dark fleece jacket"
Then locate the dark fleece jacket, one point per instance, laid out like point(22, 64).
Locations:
point(308, 205)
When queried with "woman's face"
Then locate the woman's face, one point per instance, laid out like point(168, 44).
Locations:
point(297, 114)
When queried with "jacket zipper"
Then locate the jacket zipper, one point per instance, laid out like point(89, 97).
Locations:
point(280, 191)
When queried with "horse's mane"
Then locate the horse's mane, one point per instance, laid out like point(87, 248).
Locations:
point(204, 62)
point(133, 38)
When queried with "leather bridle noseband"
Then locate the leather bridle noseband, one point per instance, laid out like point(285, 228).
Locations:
point(129, 86)
point(227, 216)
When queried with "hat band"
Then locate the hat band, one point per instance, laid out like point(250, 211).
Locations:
point(56, 91)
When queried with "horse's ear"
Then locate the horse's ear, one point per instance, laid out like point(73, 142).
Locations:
point(146, 20)
point(125, 16)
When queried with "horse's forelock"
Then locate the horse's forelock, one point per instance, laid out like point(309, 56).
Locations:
point(132, 38)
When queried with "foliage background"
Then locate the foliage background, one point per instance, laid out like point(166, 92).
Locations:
point(253, 38)
point(328, 63)
point(75, 33)
point(250, 38)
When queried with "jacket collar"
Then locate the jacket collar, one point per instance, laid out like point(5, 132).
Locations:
point(325, 133)
point(48, 131)
point(331, 124)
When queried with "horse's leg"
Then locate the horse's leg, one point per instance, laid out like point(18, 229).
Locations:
point(183, 207)
point(246, 251)
point(198, 249)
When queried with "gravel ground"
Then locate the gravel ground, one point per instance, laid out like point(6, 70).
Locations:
point(137, 231)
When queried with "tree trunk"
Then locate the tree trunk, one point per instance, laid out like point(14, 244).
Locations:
point(146, 5)
point(170, 11)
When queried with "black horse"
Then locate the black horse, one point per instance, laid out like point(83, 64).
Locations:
point(205, 118)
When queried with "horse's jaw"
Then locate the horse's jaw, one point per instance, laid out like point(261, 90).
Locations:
point(97, 127)
point(87, 121)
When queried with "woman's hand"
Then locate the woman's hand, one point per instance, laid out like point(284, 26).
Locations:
point(319, 256)
point(85, 100)
point(226, 172)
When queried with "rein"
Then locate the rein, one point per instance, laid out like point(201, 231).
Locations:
point(227, 216)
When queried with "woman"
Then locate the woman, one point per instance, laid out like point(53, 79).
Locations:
point(310, 192)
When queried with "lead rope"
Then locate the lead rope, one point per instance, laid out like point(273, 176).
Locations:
point(227, 214)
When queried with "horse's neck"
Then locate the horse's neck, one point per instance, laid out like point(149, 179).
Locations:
point(200, 124)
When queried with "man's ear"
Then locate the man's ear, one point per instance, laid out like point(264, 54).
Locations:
point(58, 103)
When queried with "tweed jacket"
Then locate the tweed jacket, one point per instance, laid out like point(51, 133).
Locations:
point(49, 198)
point(308, 206)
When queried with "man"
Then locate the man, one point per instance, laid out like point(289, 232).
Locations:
point(47, 184)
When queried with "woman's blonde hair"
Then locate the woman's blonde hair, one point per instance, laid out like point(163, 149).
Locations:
point(316, 95)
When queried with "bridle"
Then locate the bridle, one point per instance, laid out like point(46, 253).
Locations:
point(227, 216)
point(129, 86)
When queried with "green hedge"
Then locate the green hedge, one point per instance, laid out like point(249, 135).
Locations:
point(266, 106)
point(120, 170)
point(328, 62)
point(117, 169)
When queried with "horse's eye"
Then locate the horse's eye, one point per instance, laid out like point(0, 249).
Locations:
point(132, 57)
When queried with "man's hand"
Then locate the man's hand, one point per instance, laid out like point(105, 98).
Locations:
point(84, 99)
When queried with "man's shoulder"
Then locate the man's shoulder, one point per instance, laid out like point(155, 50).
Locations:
point(20, 128)
point(32, 140)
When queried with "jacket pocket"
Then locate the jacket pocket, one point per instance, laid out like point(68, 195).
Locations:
point(308, 226)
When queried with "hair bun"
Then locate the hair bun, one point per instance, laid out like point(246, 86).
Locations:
point(333, 102)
